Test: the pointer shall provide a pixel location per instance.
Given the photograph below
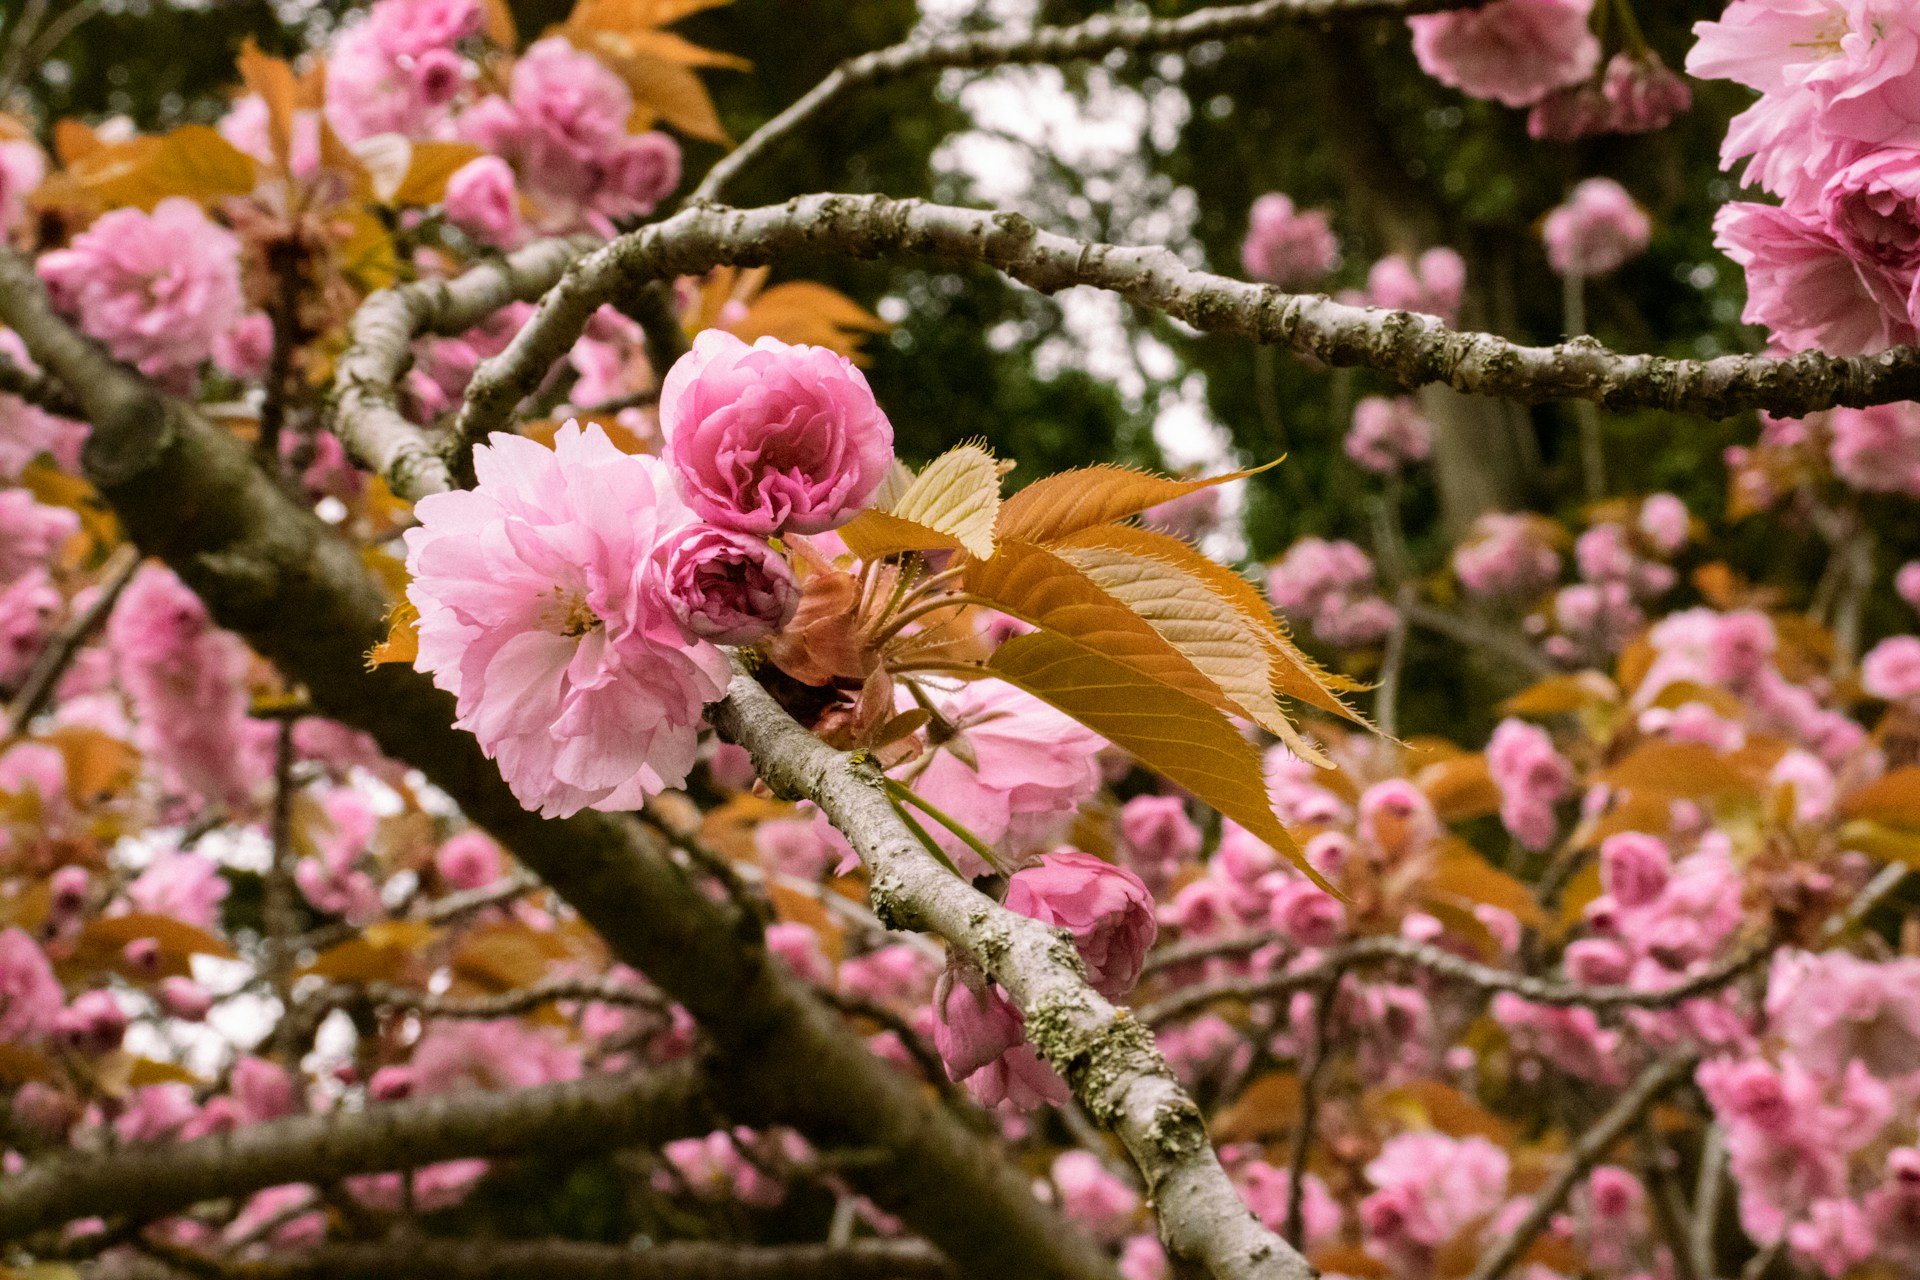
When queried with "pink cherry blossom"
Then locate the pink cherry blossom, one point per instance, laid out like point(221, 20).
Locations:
point(1906, 583)
point(1891, 669)
point(1396, 818)
point(1532, 778)
point(773, 438)
point(1267, 1190)
point(1106, 908)
point(542, 611)
point(1093, 1197)
point(1157, 836)
point(396, 71)
point(1433, 286)
point(1634, 868)
point(1642, 95)
point(1877, 450)
point(798, 948)
point(29, 608)
point(981, 1038)
point(1286, 247)
point(1807, 289)
point(462, 1054)
point(30, 532)
point(157, 288)
point(1834, 1236)
point(1331, 585)
point(470, 860)
point(1143, 1258)
point(1388, 432)
point(1597, 230)
point(186, 886)
point(30, 995)
point(1013, 772)
point(1506, 555)
point(483, 202)
point(22, 168)
point(1512, 51)
point(726, 586)
point(1307, 915)
point(246, 350)
point(1429, 1187)
point(1664, 520)
point(1834, 1009)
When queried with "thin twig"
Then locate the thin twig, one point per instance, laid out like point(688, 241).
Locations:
point(1309, 1109)
point(1094, 38)
point(1589, 1151)
point(279, 908)
point(1706, 1202)
point(38, 688)
point(507, 1004)
point(1447, 965)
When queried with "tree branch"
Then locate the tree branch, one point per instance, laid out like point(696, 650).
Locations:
point(1416, 349)
point(445, 1259)
point(1093, 38)
point(1444, 963)
point(299, 593)
point(507, 1004)
point(366, 409)
point(1105, 1054)
point(147, 1180)
point(36, 389)
point(1593, 1146)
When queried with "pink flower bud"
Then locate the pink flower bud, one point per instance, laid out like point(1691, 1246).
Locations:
point(727, 587)
point(1285, 247)
point(1891, 669)
point(92, 1025)
point(1306, 914)
point(644, 170)
point(68, 889)
point(1106, 908)
point(772, 438)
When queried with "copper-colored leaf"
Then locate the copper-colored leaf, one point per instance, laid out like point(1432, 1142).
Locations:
point(1461, 789)
point(19, 1064)
point(795, 907)
point(383, 952)
point(1557, 695)
point(1295, 675)
point(1462, 875)
point(1173, 732)
point(1267, 1108)
point(193, 161)
point(176, 937)
point(1064, 504)
point(272, 80)
point(146, 1071)
point(1893, 799)
point(1436, 1104)
point(499, 26)
point(74, 140)
point(1692, 769)
point(403, 637)
point(505, 955)
point(805, 313)
point(429, 166)
point(98, 764)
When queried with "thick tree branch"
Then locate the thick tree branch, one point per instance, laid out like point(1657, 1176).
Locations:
point(301, 596)
point(366, 408)
point(507, 1004)
point(442, 1259)
point(36, 389)
point(146, 1180)
point(1592, 1148)
point(1416, 349)
point(1107, 1056)
point(1093, 38)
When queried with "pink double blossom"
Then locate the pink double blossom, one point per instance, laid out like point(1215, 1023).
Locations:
point(156, 288)
point(186, 886)
point(1106, 908)
point(1091, 1196)
point(30, 532)
point(1429, 1187)
point(1877, 450)
point(1515, 52)
point(981, 1038)
point(1597, 230)
point(1506, 555)
point(30, 996)
point(1158, 837)
point(1433, 285)
point(773, 438)
point(1331, 586)
point(1387, 433)
point(726, 586)
point(483, 201)
point(543, 611)
point(1834, 1009)
point(563, 126)
point(397, 71)
point(1532, 778)
point(1013, 771)
point(1288, 247)
point(1891, 669)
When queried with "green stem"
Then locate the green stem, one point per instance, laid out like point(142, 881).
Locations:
point(920, 833)
point(906, 795)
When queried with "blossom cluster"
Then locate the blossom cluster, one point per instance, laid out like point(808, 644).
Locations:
point(1833, 136)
